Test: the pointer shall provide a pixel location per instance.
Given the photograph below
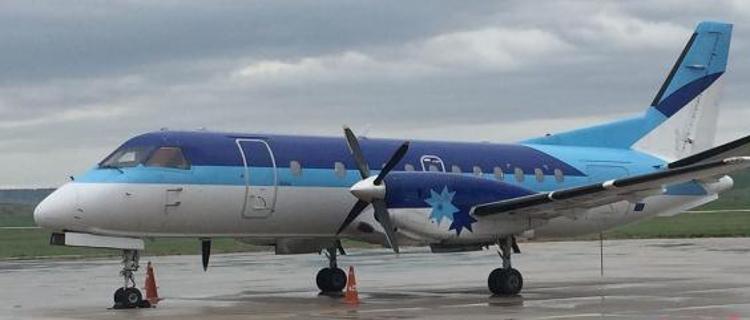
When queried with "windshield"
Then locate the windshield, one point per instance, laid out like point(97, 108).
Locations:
point(127, 157)
point(168, 157)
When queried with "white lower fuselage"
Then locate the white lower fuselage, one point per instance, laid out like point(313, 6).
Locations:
point(157, 210)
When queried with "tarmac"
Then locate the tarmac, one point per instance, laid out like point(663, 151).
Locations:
point(643, 279)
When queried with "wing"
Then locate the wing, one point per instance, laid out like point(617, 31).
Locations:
point(562, 202)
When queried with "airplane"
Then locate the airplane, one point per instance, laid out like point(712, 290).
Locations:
point(303, 194)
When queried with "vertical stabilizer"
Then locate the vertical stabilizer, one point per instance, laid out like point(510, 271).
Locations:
point(690, 82)
point(687, 132)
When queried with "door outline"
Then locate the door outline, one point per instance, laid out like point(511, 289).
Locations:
point(172, 200)
point(435, 160)
point(266, 210)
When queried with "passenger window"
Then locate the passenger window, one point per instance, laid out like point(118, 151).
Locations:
point(408, 167)
point(518, 172)
point(477, 171)
point(539, 175)
point(339, 169)
point(498, 172)
point(168, 157)
point(559, 176)
point(455, 169)
point(296, 168)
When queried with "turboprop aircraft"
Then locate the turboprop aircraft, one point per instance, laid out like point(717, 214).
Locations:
point(302, 194)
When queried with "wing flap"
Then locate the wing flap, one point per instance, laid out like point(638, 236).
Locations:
point(551, 204)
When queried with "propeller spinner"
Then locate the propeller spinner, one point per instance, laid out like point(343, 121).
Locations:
point(371, 189)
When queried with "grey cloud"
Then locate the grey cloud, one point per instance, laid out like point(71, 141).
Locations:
point(46, 39)
point(78, 78)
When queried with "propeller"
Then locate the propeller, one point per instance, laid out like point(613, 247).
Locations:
point(371, 190)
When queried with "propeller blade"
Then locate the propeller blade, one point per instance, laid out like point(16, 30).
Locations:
point(359, 158)
point(205, 253)
point(395, 158)
point(381, 214)
point(353, 214)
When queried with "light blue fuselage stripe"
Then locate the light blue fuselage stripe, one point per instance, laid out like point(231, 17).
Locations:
point(225, 175)
point(234, 176)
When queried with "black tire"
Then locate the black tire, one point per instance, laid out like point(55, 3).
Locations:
point(331, 280)
point(119, 296)
point(512, 282)
point(505, 281)
point(338, 280)
point(494, 281)
point(323, 279)
point(132, 298)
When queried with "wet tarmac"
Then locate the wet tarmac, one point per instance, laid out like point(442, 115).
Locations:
point(644, 279)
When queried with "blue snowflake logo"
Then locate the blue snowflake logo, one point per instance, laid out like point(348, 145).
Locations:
point(442, 207)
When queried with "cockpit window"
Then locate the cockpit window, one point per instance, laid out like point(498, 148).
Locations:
point(126, 157)
point(168, 157)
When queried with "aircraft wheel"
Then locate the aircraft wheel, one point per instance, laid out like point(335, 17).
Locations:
point(128, 298)
point(505, 281)
point(119, 296)
point(133, 297)
point(331, 280)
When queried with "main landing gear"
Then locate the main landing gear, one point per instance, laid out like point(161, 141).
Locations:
point(506, 280)
point(331, 280)
point(128, 296)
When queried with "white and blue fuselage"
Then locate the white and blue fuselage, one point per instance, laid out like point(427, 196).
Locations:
point(205, 184)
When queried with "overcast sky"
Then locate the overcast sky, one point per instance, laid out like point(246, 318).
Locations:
point(77, 78)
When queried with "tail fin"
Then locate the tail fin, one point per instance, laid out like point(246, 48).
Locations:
point(701, 63)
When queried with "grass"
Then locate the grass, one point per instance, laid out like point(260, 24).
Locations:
point(687, 225)
point(16, 215)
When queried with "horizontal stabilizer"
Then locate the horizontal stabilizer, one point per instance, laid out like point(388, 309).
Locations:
point(736, 148)
point(556, 203)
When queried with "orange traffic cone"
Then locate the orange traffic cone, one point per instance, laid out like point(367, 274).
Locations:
point(352, 296)
point(152, 296)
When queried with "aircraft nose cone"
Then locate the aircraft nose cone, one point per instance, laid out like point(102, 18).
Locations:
point(56, 211)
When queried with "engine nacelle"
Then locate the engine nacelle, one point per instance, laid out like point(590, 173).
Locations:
point(435, 207)
point(411, 189)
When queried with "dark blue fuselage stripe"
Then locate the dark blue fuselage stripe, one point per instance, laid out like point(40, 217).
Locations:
point(220, 149)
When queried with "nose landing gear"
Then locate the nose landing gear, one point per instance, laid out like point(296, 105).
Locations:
point(331, 280)
point(128, 296)
point(506, 280)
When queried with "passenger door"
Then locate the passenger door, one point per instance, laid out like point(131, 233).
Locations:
point(432, 163)
point(261, 178)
